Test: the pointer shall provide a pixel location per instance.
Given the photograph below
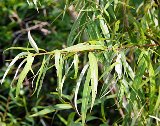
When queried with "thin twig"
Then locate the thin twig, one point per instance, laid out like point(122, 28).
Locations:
point(40, 25)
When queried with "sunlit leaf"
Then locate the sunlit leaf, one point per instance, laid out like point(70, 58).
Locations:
point(41, 70)
point(58, 65)
point(12, 63)
point(117, 26)
point(78, 84)
point(94, 75)
point(32, 42)
point(24, 73)
point(50, 109)
point(18, 70)
point(85, 96)
point(76, 61)
point(118, 67)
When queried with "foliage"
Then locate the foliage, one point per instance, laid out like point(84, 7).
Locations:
point(107, 72)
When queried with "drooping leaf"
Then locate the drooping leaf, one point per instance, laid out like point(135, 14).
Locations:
point(24, 73)
point(85, 96)
point(127, 69)
point(94, 75)
point(32, 42)
point(12, 63)
point(76, 61)
point(104, 28)
point(59, 67)
point(118, 67)
point(43, 75)
point(78, 84)
point(41, 70)
point(18, 70)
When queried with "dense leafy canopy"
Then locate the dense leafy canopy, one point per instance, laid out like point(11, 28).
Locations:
point(97, 61)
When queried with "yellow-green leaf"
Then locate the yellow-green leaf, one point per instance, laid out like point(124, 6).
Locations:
point(86, 96)
point(24, 73)
point(76, 61)
point(59, 67)
point(94, 76)
point(12, 63)
point(78, 84)
point(32, 42)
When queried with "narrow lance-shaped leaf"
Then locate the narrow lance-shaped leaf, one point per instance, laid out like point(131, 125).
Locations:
point(153, 95)
point(78, 84)
point(43, 75)
point(50, 109)
point(12, 63)
point(118, 67)
point(18, 70)
point(104, 29)
point(64, 77)
point(76, 61)
point(86, 96)
point(40, 74)
point(94, 76)
point(32, 42)
point(127, 69)
point(24, 73)
point(83, 47)
point(59, 65)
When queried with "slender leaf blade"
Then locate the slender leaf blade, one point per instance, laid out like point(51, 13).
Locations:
point(32, 42)
point(24, 73)
point(94, 75)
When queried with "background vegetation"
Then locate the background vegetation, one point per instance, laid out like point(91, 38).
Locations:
point(80, 62)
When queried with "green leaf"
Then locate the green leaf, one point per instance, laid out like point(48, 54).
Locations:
point(41, 71)
point(74, 30)
point(24, 72)
point(50, 109)
point(116, 26)
point(59, 67)
point(118, 67)
point(94, 76)
point(127, 69)
point(158, 101)
point(18, 70)
point(76, 61)
point(86, 96)
point(12, 63)
point(83, 47)
point(62, 119)
point(32, 42)
point(43, 75)
point(70, 121)
point(78, 84)
point(104, 28)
